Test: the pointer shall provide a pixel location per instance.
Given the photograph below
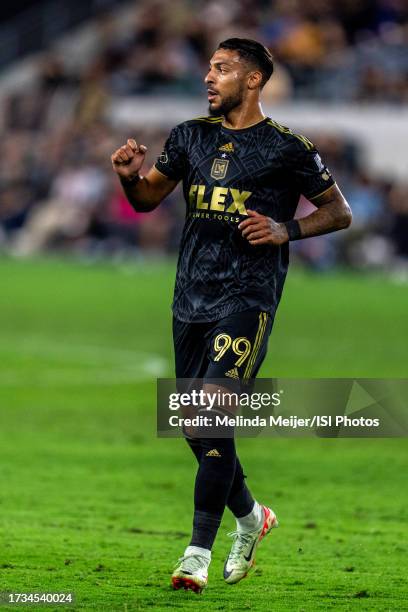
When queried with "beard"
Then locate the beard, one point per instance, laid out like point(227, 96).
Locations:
point(227, 104)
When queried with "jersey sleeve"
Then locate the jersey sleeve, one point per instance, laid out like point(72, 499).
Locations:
point(172, 161)
point(310, 174)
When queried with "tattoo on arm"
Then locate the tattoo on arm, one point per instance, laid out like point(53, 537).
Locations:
point(332, 214)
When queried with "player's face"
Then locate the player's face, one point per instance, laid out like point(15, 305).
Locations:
point(225, 81)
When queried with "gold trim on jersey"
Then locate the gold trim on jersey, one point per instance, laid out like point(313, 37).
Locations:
point(245, 127)
point(321, 193)
point(285, 130)
point(263, 319)
point(209, 119)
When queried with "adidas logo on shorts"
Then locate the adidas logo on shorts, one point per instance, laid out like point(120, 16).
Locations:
point(232, 373)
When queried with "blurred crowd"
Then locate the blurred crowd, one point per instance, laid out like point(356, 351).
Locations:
point(57, 189)
point(324, 49)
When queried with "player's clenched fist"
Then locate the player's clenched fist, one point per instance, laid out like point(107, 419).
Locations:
point(128, 160)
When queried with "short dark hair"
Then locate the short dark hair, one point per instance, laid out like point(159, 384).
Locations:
point(252, 51)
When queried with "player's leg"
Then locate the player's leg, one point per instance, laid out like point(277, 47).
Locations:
point(190, 350)
point(216, 469)
point(247, 511)
point(240, 501)
point(238, 349)
point(240, 346)
point(215, 475)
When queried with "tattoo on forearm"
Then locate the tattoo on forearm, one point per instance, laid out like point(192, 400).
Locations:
point(333, 213)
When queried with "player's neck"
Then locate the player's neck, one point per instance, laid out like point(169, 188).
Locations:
point(243, 117)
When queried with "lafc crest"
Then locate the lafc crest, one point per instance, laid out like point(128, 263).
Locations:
point(219, 168)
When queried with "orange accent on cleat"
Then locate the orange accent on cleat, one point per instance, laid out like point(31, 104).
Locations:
point(269, 523)
point(187, 584)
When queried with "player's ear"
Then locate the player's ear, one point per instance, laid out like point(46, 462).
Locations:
point(254, 79)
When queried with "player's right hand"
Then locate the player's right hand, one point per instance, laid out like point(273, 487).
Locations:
point(128, 160)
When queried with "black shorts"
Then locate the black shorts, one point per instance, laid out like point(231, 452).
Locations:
point(232, 348)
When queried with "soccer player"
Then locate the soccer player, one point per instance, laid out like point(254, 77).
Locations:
point(242, 176)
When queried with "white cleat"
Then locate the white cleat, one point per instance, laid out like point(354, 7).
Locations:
point(242, 554)
point(191, 573)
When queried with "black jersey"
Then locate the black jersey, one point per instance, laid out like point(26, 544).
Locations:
point(264, 167)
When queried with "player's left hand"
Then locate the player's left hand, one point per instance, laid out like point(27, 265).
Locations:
point(259, 229)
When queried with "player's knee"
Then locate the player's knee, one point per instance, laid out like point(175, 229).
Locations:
point(214, 424)
point(190, 433)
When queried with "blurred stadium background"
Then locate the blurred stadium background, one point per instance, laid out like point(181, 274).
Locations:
point(85, 323)
point(79, 78)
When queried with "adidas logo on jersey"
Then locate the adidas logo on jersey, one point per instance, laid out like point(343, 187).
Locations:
point(232, 373)
point(213, 453)
point(229, 147)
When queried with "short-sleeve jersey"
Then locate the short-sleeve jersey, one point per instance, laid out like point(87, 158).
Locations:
point(264, 167)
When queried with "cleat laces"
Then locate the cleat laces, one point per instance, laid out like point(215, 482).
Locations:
point(192, 563)
point(241, 540)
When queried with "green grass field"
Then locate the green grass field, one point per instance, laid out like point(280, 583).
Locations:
point(92, 502)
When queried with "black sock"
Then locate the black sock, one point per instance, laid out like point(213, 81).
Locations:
point(212, 486)
point(205, 527)
point(240, 500)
